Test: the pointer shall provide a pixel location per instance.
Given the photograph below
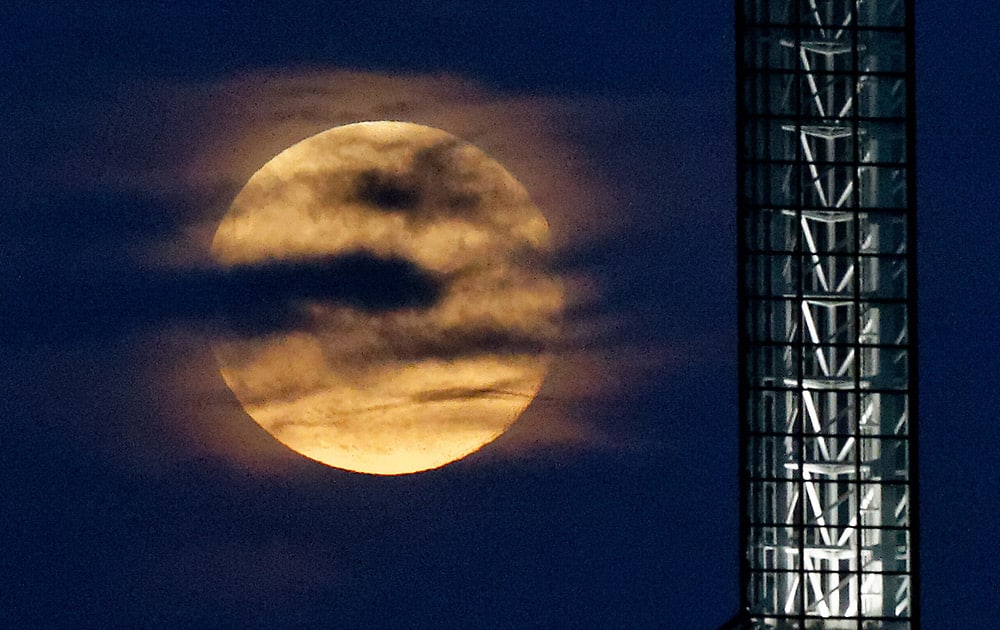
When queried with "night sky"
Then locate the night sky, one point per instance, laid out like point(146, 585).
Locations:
point(136, 493)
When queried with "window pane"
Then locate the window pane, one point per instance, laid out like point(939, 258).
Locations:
point(881, 96)
point(883, 142)
point(772, 230)
point(773, 320)
point(773, 275)
point(885, 51)
point(773, 411)
point(879, 13)
point(884, 413)
point(830, 412)
point(883, 232)
point(882, 187)
point(886, 458)
point(768, 454)
point(884, 276)
point(884, 368)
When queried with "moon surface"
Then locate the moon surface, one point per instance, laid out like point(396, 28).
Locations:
point(409, 387)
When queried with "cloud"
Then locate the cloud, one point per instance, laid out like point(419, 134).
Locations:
point(196, 144)
point(178, 153)
point(273, 296)
point(445, 179)
point(71, 304)
point(465, 341)
point(386, 191)
point(464, 393)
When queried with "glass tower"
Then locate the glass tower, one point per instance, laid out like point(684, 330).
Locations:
point(827, 326)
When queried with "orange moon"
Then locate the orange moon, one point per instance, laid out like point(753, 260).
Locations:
point(413, 388)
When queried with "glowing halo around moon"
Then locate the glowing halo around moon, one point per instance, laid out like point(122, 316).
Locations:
point(407, 389)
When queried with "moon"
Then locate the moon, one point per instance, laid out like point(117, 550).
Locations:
point(411, 387)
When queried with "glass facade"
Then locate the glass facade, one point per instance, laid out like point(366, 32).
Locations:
point(828, 378)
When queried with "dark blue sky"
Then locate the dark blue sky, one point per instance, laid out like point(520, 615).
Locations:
point(627, 537)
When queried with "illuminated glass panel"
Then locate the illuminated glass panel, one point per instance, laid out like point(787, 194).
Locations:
point(827, 358)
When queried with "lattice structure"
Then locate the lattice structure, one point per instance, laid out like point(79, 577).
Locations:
point(826, 194)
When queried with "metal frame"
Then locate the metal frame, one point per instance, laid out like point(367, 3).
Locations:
point(827, 311)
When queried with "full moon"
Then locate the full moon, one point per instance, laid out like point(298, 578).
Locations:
point(404, 388)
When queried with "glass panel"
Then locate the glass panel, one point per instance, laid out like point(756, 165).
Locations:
point(826, 95)
point(771, 139)
point(884, 276)
point(762, 548)
point(772, 230)
point(758, 11)
point(885, 550)
point(882, 187)
point(773, 411)
point(887, 458)
point(770, 93)
point(769, 588)
point(884, 13)
point(825, 274)
point(885, 504)
point(755, 140)
point(774, 275)
point(771, 546)
point(825, 13)
point(884, 51)
point(825, 186)
point(884, 413)
point(823, 142)
point(833, 501)
point(833, 546)
point(784, 93)
point(829, 413)
point(764, 47)
point(837, 364)
point(767, 455)
point(884, 368)
point(778, 185)
point(881, 96)
point(896, 599)
point(772, 184)
point(829, 231)
point(895, 505)
point(773, 365)
point(883, 142)
point(827, 51)
point(773, 502)
point(883, 232)
point(884, 323)
point(833, 452)
point(829, 321)
point(773, 320)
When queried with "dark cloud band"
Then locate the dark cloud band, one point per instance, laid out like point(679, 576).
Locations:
point(103, 297)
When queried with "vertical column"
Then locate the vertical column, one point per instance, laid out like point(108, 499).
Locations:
point(827, 356)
